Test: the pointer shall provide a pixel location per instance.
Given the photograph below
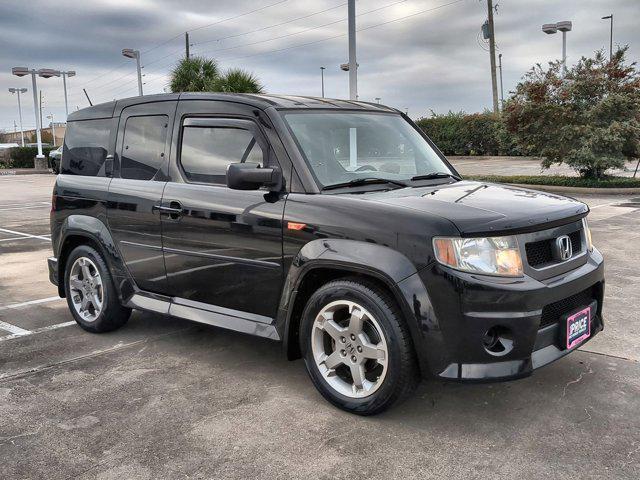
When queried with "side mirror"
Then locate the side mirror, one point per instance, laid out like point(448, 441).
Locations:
point(250, 176)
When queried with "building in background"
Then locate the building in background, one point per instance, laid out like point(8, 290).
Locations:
point(30, 135)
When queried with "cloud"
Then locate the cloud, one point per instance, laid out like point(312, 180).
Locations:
point(434, 60)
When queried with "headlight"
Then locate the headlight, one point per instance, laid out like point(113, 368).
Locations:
point(587, 232)
point(488, 256)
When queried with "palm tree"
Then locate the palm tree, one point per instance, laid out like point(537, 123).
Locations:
point(199, 74)
point(194, 74)
point(237, 80)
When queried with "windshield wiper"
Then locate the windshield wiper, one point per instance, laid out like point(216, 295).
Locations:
point(434, 175)
point(356, 182)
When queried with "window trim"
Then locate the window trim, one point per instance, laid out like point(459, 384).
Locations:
point(164, 144)
point(220, 122)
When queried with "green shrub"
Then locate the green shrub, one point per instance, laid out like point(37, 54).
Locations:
point(22, 157)
point(559, 180)
point(458, 133)
point(588, 118)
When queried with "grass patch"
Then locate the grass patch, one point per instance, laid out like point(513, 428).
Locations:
point(561, 181)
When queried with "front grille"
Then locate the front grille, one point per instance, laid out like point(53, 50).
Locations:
point(541, 252)
point(551, 313)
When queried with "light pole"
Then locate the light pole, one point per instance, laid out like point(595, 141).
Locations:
point(377, 99)
point(130, 53)
point(610, 17)
point(19, 91)
point(53, 128)
point(322, 79)
point(501, 89)
point(564, 27)
point(353, 66)
point(70, 73)
point(44, 73)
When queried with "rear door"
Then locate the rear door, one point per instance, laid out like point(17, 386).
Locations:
point(224, 247)
point(135, 193)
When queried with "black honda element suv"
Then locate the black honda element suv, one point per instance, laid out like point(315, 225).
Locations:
point(335, 227)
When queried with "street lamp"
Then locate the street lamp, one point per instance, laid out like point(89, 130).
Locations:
point(377, 99)
point(322, 77)
point(131, 53)
point(564, 27)
point(44, 73)
point(610, 17)
point(70, 73)
point(19, 91)
point(53, 128)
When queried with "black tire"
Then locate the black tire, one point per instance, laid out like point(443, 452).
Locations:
point(402, 375)
point(113, 315)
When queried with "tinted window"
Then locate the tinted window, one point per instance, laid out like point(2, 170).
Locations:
point(143, 146)
point(206, 151)
point(85, 147)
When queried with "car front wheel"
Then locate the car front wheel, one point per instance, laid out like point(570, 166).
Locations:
point(357, 348)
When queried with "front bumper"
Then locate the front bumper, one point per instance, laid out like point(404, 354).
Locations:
point(454, 310)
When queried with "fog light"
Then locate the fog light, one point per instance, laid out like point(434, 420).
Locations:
point(498, 341)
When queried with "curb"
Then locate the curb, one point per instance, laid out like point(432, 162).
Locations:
point(578, 190)
point(22, 171)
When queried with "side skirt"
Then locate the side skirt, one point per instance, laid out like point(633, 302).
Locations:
point(236, 320)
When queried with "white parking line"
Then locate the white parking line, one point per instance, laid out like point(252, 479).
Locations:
point(30, 302)
point(37, 330)
point(28, 204)
point(15, 331)
point(26, 235)
point(2, 209)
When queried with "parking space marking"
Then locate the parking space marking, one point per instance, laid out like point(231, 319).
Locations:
point(26, 235)
point(32, 332)
point(30, 302)
point(24, 204)
point(15, 331)
point(3, 209)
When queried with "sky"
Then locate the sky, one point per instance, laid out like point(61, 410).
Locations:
point(420, 55)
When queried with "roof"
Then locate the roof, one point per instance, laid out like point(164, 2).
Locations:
point(106, 110)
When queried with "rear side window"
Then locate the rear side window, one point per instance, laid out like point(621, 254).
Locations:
point(143, 146)
point(207, 151)
point(85, 147)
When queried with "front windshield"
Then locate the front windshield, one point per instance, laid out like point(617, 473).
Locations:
point(342, 147)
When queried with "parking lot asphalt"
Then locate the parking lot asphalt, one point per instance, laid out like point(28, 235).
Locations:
point(166, 398)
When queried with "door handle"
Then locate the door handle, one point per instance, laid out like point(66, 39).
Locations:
point(174, 210)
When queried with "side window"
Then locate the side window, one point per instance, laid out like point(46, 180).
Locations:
point(207, 151)
point(143, 146)
point(85, 147)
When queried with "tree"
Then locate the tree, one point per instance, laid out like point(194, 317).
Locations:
point(194, 74)
point(589, 118)
point(238, 81)
point(199, 74)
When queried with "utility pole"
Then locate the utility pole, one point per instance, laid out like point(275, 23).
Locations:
point(492, 54)
point(53, 128)
point(186, 44)
point(40, 112)
point(610, 17)
point(353, 65)
point(501, 88)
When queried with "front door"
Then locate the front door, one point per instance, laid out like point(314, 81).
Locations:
point(222, 247)
point(140, 174)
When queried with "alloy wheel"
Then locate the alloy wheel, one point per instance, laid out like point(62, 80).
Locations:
point(349, 349)
point(85, 285)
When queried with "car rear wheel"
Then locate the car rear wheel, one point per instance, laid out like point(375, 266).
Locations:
point(356, 347)
point(90, 292)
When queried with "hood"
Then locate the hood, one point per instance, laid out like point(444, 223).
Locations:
point(488, 208)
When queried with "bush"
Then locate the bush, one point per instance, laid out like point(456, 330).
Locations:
point(22, 157)
point(558, 180)
point(588, 118)
point(457, 133)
